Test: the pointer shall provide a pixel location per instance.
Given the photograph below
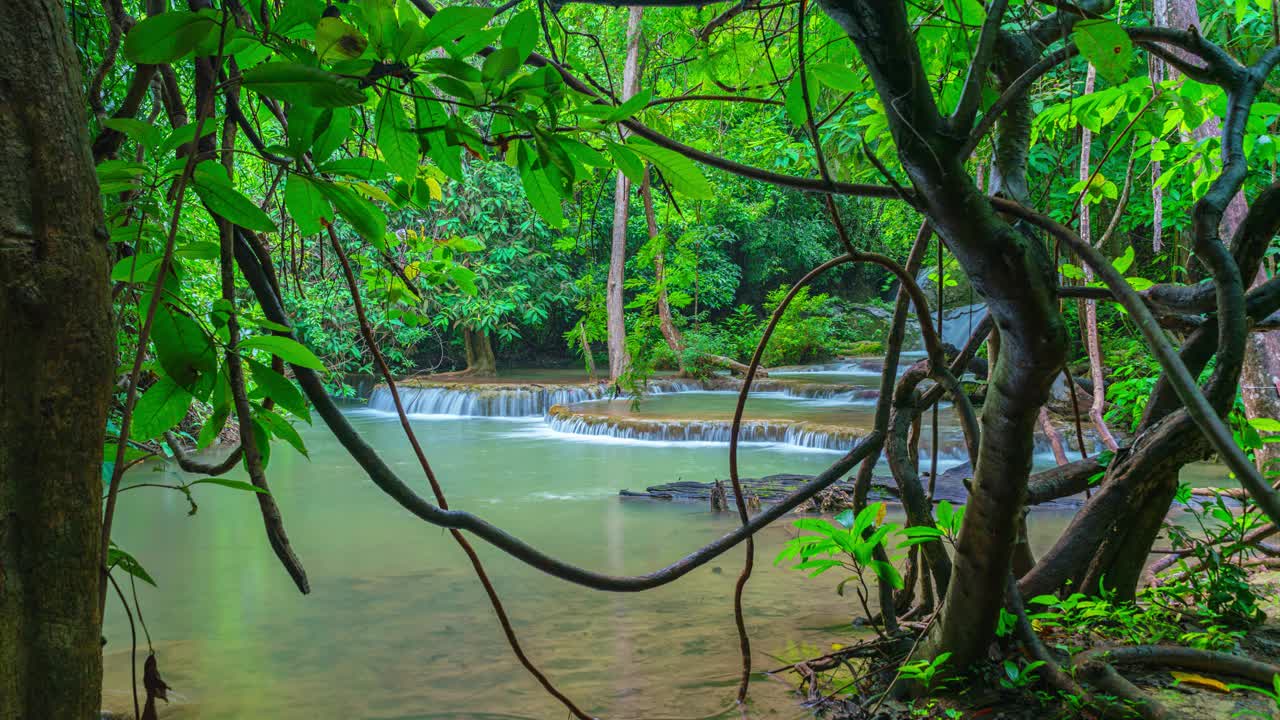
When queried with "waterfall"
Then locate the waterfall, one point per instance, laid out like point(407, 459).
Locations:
point(800, 434)
point(958, 323)
point(484, 400)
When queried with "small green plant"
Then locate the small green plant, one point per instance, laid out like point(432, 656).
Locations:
point(1211, 577)
point(1213, 637)
point(928, 673)
point(1016, 678)
point(850, 542)
point(1273, 694)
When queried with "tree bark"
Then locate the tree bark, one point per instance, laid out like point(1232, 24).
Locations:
point(666, 322)
point(616, 321)
point(1015, 275)
point(57, 353)
point(480, 357)
point(1091, 340)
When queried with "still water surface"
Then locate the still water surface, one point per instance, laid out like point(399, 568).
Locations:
point(396, 625)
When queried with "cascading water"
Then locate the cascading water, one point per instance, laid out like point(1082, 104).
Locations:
point(485, 401)
point(529, 400)
point(800, 434)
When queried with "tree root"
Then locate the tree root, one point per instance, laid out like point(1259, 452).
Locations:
point(1096, 668)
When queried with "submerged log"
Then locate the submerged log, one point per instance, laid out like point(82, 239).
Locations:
point(773, 488)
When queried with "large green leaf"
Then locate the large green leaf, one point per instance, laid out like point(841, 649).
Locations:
point(452, 23)
point(184, 351)
point(539, 189)
point(216, 191)
point(521, 33)
point(302, 84)
point(282, 429)
point(160, 408)
point(307, 205)
point(396, 142)
point(166, 37)
point(279, 388)
point(1105, 44)
point(366, 218)
point(289, 350)
point(678, 170)
point(338, 40)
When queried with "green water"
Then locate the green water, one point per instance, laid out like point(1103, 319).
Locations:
point(397, 627)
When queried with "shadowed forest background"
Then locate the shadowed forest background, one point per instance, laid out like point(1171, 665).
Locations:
point(846, 358)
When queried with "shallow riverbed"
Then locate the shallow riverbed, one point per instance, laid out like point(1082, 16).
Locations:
point(397, 627)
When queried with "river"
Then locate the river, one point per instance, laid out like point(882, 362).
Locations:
point(396, 625)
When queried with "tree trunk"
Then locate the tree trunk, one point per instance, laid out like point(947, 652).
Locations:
point(57, 353)
point(480, 358)
point(1091, 339)
point(1260, 386)
point(616, 322)
point(665, 322)
point(586, 349)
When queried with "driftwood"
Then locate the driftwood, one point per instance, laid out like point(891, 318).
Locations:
point(771, 488)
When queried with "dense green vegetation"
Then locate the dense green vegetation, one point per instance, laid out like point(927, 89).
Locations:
point(295, 193)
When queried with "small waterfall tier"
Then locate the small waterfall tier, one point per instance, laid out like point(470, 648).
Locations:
point(790, 388)
point(484, 399)
point(789, 432)
point(424, 397)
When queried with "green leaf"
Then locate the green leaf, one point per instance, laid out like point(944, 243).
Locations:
point(794, 102)
point(213, 426)
point(216, 191)
point(184, 350)
point(451, 23)
point(283, 430)
point(500, 64)
point(365, 168)
point(1123, 263)
point(338, 40)
point(538, 188)
point(836, 76)
point(465, 278)
point(626, 160)
point(290, 350)
point(521, 33)
point(396, 142)
point(302, 84)
point(367, 219)
point(335, 126)
point(160, 408)
point(306, 204)
point(679, 171)
point(143, 133)
point(233, 484)
point(1267, 425)
point(166, 37)
point(279, 388)
point(128, 563)
point(1105, 44)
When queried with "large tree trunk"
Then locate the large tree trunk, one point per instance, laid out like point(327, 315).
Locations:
point(1022, 302)
point(57, 352)
point(480, 357)
point(616, 322)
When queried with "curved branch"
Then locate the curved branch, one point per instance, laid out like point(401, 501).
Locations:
point(188, 462)
point(387, 480)
point(1197, 405)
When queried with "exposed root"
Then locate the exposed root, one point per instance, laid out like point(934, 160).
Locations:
point(1096, 667)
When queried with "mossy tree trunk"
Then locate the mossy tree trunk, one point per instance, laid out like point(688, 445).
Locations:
point(480, 357)
point(57, 352)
